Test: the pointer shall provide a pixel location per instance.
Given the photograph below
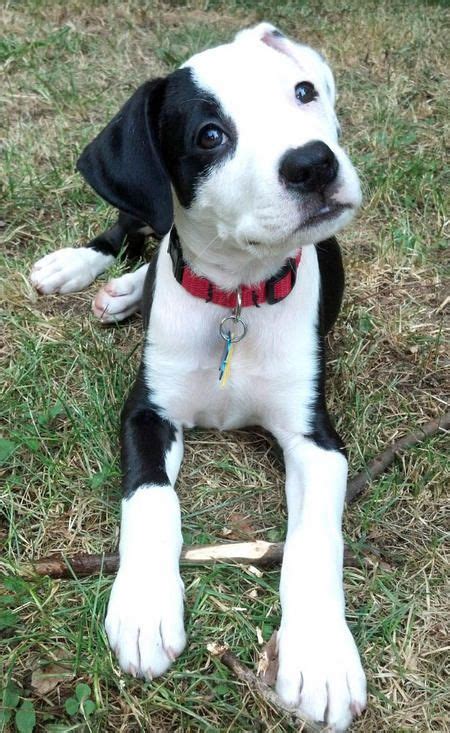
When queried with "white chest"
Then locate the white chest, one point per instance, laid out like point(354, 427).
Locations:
point(273, 369)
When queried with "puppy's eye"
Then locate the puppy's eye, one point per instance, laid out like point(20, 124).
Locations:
point(211, 137)
point(305, 92)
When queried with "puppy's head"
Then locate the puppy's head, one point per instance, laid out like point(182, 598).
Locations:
point(243, 136)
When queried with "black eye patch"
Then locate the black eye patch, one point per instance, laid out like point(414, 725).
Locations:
point(194, 132)
point(306, 92)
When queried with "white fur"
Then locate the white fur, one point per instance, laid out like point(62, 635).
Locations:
point(68, 270)
point(319, 667)
point(120, 297)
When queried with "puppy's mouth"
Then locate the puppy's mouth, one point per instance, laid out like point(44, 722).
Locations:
point(313, 217)
point(327, 212)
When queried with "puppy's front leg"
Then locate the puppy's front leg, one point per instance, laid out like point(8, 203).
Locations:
point(70, 269)
point(144, 622)
point(319, 667)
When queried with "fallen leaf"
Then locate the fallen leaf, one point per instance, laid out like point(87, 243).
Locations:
point(45, 679)
point(239, 527)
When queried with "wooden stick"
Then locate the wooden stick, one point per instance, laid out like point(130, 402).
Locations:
point(380, 463)
point(259, 687)
point(259, 553)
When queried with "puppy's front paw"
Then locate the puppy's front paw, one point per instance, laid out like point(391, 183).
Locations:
point(144, 622)
point(68, 270)
point(118, 299)
point(320, 672)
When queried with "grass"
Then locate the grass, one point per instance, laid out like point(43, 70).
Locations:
point(68, 68)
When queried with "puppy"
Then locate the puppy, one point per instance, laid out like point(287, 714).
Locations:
point(234, 160)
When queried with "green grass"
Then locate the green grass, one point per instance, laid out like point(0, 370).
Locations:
point(68, 67)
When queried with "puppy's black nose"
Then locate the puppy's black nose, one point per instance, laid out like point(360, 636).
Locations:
point(309, 168)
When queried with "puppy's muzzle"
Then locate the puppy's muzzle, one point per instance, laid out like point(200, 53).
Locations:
point(310, 168)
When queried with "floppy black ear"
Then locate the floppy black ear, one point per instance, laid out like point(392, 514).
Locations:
point(123, 163)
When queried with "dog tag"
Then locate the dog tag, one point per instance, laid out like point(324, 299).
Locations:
point(231, 337)
point(232, 329)
point(225, 364)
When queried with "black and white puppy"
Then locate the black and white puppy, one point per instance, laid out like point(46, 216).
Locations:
point(234, 158)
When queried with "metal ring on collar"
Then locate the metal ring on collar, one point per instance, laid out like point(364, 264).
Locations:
point(226, 335)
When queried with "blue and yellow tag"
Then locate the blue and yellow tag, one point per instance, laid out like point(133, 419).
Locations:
point(225, 364)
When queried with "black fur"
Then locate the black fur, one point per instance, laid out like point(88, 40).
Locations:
point(124, 165)
point(145, 440)
point(127, 233)
point(332, 282)
point(322, 431)
point(331, 291)
point(149, 288)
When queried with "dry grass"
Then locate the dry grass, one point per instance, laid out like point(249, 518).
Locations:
point(68, 68)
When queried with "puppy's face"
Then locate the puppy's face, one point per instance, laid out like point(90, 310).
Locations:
point(245, 136)
point(250, 139)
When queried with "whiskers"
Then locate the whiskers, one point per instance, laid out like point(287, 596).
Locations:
point(205, 249)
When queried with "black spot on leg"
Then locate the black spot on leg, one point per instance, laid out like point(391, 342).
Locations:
point(146, 438)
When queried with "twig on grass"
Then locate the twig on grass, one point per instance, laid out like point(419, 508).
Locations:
point(256, 685)
point(259, 553)
point(383, 460)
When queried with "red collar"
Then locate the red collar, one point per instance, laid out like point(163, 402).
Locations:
point(267, 291)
